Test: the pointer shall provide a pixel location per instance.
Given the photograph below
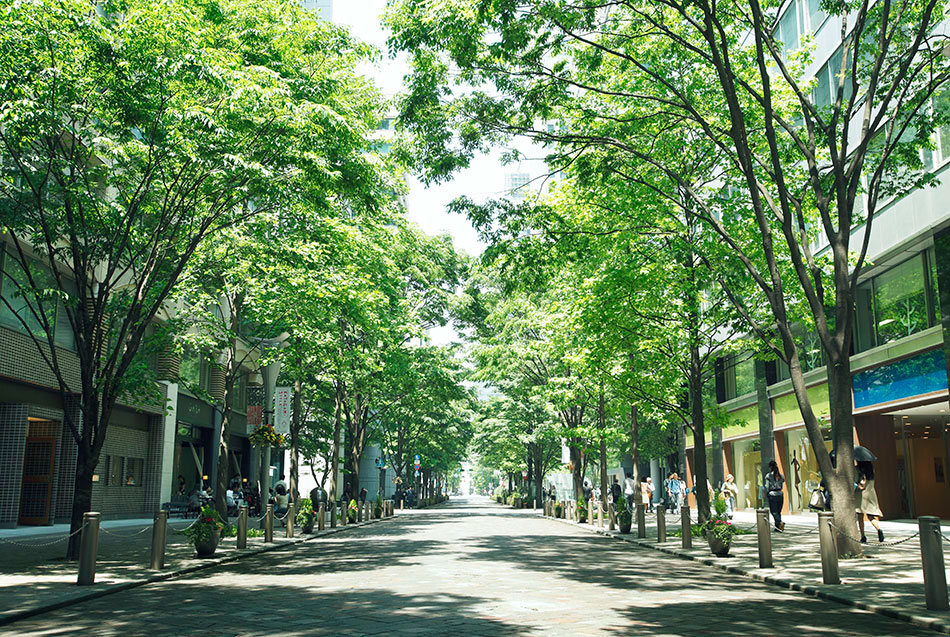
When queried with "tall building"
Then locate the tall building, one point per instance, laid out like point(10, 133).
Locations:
point(899, 353)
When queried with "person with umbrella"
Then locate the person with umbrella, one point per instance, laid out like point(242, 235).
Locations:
point(865, 496)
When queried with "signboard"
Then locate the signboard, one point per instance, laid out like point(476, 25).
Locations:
point(254, 416)
point(194, 412)
point(282, 408)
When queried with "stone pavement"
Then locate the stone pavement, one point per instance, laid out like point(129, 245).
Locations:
point(468, 568)
point(888, 579)
point(34, 574)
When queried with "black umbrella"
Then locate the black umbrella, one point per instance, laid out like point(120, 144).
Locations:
point(861, 454)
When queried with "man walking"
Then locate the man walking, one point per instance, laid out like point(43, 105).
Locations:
point(675, 491)
point(630, 492)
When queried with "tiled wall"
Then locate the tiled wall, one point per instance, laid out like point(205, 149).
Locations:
point(120, 500)
point(153, 464)
point(13, 425)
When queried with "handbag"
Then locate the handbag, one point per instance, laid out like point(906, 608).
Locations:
point(817, 501)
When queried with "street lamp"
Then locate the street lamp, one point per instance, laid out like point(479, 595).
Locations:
point(269, 373)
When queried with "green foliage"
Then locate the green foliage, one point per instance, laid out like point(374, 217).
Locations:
point(719, 525)
point(352, 510)
point(305, 515)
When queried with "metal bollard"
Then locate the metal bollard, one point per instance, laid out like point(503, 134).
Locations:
point(829, 549)
point(931, 556)
point(687, 527)
point(641, 522)
point(88, 545)
point(765, 538)
point(242, 527)
point(269, 524)
point(321, 516)
point(289, 520)
point(611, 516)
point(660, 523)
point(159, 529)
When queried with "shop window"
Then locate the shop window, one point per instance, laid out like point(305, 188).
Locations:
point(133, 472)
point(900, 301)
point(192, 371)
point(114, 468)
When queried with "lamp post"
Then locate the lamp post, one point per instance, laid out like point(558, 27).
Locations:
point(269, 374)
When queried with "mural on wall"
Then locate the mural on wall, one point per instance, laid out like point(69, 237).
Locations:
point(921, 374)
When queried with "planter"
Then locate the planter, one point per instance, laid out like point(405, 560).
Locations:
point(206, 548)
point(717, 546)
point(306, 528)
point(625, 526)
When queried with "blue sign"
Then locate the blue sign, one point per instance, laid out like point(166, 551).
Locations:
point(922, 374)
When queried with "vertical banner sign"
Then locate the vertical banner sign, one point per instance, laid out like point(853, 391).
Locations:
point(282, 407)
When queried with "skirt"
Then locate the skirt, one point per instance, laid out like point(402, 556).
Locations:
point(866, 501)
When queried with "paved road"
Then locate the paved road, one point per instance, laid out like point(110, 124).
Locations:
point(469, 568)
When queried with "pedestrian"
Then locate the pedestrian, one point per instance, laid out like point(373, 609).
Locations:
point(675, 492)
point(363, 493)
point(865, 500)
point(282, 482)
point(774, 482)
point(588, 491)
point(646, 494)
point(730, 493)
point(630, 492)
point(665, 494)
point(615, 490)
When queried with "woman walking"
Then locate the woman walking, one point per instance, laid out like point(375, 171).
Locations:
point(774, 482)
point(865, 500)
point(730, 492)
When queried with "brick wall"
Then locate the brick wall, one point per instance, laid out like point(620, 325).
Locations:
point(13, 426)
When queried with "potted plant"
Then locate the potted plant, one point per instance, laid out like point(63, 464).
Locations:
point(205, 533)
point(624, 516)
point(305, 516)
point(378, 508)
point(351, 511)
point(581, 510)
point(719, 529)
point(558, 509)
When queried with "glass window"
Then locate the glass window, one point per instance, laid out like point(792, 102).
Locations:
point(114, 466)
point(788, 27)
point(745, 377)
point(17, 309)
point(809, 352)
point(133, 472)
point(900, 301)
point(815, 15)
point(189, 372)
point(942, 105)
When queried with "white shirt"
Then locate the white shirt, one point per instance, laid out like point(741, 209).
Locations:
point(629, 487)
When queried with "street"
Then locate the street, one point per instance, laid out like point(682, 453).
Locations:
point(470, 567)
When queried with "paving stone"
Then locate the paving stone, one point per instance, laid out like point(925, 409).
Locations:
point(469, 568)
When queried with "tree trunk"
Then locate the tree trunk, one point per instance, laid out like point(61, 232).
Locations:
point(82, 501)
point(602, 425)
point(335, 447)
point(295, 438)
point(700, 478)
point(635, 445)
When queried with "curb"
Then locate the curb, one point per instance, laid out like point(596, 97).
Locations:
point(15, 616)
point(812, 591)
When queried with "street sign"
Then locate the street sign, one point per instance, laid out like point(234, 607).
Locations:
point(282, 406)
point(417, 473)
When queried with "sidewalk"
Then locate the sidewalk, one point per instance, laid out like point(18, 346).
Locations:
point(888, 580)
point(35, 576)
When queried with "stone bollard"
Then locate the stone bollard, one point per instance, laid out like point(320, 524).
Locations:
point(369, 511)
point(289, 520)
point(159, 529)
point(931, 557)
point(322, 516)
point(660, 523)
point(829, 549)
point(765, 537)
point(332, 515)
point(611, 516)
point(359, 513)
point(600, 516)
point(641, 522)
point(534, 504)
point(88, 545)
point(402, 504)
point(242, 527)
point(687, 527)
point(591, 517)
point(269, 524)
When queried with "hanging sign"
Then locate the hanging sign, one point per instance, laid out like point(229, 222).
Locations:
point(282, 408)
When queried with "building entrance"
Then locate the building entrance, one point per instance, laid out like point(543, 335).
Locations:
point(37, 487)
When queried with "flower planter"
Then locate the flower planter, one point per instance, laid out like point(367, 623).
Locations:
point(717, 546)
point(625, 526)
point(206, 548)
point(307, 528)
